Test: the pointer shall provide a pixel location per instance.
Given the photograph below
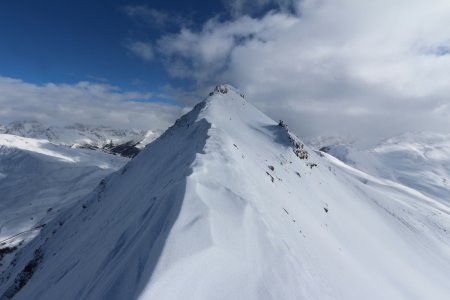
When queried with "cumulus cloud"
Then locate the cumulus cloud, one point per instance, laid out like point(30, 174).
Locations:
point(90, 103)
point(332, 67)
point(200, 55)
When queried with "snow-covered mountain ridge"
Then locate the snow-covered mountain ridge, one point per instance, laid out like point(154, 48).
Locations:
point(228, 204)
point(420, 160)
point(83, 136)
point(38, 179)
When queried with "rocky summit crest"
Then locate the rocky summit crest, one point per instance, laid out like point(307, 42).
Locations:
point(224, 89)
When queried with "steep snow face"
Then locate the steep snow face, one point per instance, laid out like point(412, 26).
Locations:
point(227, 204)
point(80, 135)
point(419, 160)
point(38, 179)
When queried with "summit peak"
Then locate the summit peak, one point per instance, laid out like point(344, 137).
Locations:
point(225, 89)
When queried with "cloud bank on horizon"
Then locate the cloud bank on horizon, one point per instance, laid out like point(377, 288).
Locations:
point(84, 102)
point(347, 67)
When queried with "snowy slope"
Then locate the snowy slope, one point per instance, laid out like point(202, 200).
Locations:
point(228, 205)
point(80, 135)
point(419, 160)
point(38, 179)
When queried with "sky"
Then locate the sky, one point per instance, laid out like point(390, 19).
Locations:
point(364, 69)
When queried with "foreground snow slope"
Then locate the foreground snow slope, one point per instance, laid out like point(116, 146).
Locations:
point(220, 207)
point(37, 179)
point(419, 160)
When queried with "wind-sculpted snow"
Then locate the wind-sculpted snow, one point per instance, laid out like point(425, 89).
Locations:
point(222, 207)
point(133, 223)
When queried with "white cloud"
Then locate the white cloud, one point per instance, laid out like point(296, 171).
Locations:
point(142, 50)
point(243, 7)
point(159, 19)
point(85, 102)
point(352, 67)
point(201, 54)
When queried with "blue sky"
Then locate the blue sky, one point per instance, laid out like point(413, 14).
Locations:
point(327, 67)
point(71, 41)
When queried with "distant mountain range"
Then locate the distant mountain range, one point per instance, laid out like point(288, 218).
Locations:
point(126, 142)
point(419, 160)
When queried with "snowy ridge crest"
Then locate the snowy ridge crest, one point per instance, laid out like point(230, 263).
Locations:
point(228, 204)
